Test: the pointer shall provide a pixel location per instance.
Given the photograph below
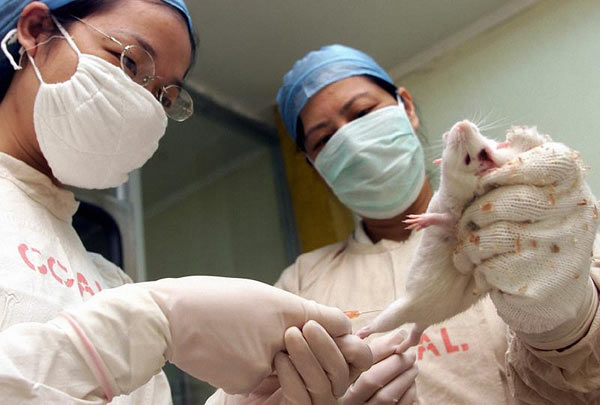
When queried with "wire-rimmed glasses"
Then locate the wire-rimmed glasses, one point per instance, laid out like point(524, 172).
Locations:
point(139, 65)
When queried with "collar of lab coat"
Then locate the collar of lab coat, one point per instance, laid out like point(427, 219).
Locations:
point(359, 242)
point(60, 202)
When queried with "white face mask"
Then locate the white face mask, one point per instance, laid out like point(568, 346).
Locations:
point(374, 164)
point(98, 126)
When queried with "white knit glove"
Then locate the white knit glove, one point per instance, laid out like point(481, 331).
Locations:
point(529, 241)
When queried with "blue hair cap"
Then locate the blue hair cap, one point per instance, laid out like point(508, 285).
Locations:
point(317, 70)
point(10, 10)
point(180, 5)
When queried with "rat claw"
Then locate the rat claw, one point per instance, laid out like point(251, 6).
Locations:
point(364, 332)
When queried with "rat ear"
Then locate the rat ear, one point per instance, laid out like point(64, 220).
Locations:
point(438, 162)
point(445, 138)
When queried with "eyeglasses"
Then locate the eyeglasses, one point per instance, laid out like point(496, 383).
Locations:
point(139, 65)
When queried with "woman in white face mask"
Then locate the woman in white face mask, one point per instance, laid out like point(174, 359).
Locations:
point(86, 87)
point(358, 131)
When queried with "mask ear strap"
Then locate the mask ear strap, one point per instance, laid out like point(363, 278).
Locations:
point(10, 36)
point(66, 35)
point(35, 68)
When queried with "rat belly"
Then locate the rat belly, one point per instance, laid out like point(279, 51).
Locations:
point(435, 290)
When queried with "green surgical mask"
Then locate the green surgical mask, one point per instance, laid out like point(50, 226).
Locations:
point(374, 164)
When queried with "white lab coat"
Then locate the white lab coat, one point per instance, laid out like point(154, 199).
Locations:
point(470, 359)
point(45, 269)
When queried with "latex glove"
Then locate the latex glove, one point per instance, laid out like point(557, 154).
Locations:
point(269, 392)
point(391, 380)
point(227, 331)
point(224, 331)
point(318, 369)
point(529, 241)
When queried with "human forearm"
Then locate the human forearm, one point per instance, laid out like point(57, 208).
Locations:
point(569, 375)
point(109, 346)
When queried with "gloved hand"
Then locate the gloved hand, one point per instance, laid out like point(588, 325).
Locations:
point(316, 369)
point(269, 392)
point(228, 331)
point(528, 240)
point(391, 380)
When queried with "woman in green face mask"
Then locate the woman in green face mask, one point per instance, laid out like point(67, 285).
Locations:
point(358, 131)
point(374, 163)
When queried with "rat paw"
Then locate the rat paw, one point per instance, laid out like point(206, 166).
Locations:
point(364, 332)
point(422, 221)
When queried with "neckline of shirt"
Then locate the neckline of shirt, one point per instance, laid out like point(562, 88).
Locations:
point(360, 242)
point(60, 202)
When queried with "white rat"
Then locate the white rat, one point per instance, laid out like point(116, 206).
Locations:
point(435, 289)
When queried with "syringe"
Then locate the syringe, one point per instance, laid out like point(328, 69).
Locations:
point(356, 314)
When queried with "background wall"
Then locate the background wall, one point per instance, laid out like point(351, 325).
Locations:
point(229, 226)
point(214, 203)
point(540, 68)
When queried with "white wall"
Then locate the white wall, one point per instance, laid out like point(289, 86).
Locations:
point(229, 227)
point(540, 68)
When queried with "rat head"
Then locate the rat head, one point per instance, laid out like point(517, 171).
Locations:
point(465, 149)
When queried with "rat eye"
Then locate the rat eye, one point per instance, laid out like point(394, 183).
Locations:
point(468, 160)
point(483, 155)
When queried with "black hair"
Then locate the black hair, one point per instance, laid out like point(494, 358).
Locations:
point(300, 136)
point(80, 9)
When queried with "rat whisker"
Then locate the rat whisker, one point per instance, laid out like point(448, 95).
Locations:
point(485, 121)
point(500, 122)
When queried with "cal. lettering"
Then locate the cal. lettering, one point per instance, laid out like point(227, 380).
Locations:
point(51, 265)
point(450, 348)
point(23, 249)
point(429, 347)
point(83, 285)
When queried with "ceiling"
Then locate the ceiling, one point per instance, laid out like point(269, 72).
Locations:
point(246, 46)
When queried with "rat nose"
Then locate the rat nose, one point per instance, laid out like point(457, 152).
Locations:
point(464, 126)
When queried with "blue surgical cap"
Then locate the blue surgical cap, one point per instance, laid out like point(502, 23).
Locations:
point(10, 10)
point(317, 70)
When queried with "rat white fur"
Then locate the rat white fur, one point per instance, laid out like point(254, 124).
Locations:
point(435, 289)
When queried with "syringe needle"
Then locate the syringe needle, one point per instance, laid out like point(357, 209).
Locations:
point(356, 314)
